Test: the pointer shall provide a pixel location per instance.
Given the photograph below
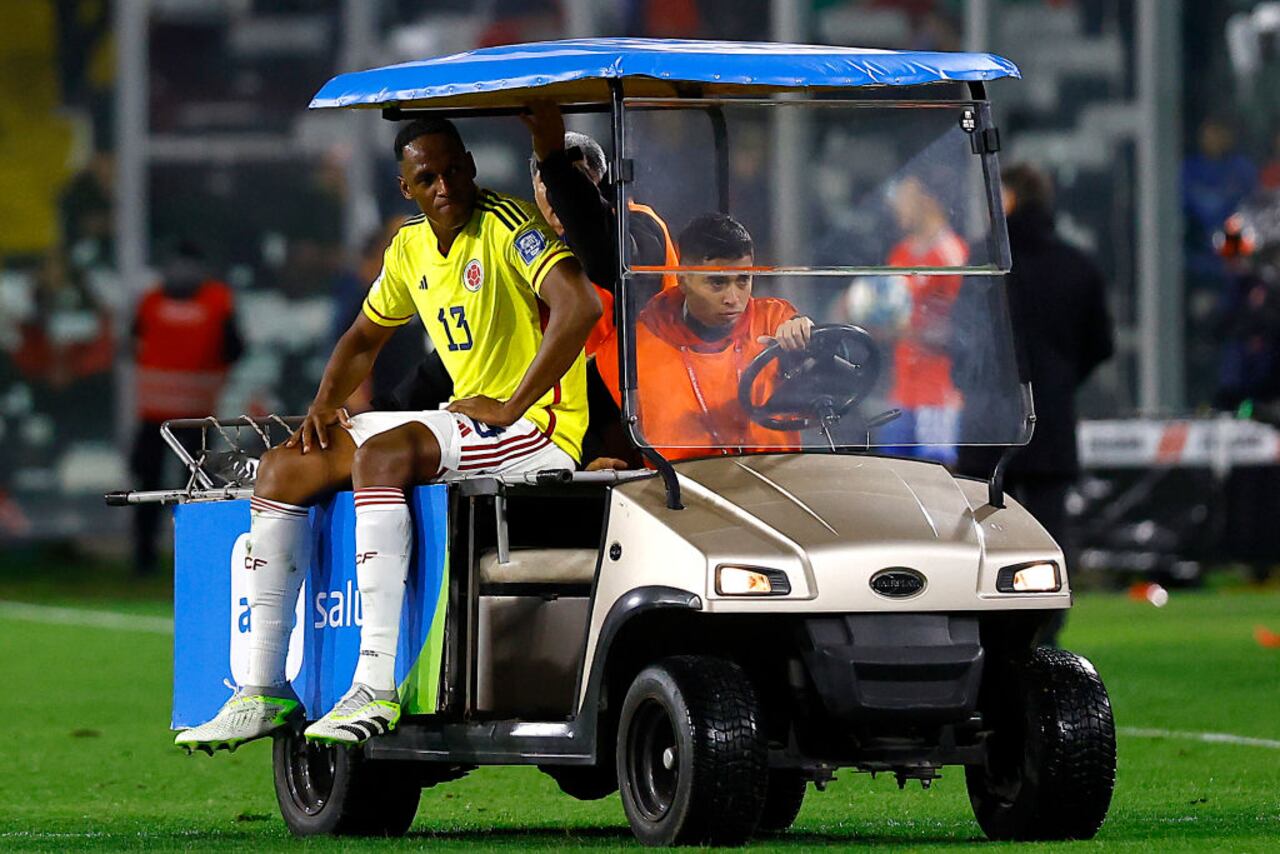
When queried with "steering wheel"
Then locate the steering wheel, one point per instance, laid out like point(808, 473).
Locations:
point(822, 382)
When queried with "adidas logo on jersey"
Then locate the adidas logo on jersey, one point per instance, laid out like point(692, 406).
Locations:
point(422, 285)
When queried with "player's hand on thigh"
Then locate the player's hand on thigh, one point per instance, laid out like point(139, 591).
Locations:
point(485, 410)
point(314, 431)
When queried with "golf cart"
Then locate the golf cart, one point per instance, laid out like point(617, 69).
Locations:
point(710, 636)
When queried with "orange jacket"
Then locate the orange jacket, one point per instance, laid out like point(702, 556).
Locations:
point(603, 330)
point(688, 387)
point(672, 257)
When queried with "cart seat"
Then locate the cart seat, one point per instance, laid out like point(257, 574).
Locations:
point(539, 566)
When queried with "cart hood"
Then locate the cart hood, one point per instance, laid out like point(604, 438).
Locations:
point(821, 501)
point(831, 523)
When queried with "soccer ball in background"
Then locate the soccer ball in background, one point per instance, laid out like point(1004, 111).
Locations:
point(878, 303)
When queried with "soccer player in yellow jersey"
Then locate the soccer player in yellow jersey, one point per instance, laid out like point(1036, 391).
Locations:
point(473, 267)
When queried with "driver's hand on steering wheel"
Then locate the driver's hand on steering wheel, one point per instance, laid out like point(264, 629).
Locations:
point(791, 335)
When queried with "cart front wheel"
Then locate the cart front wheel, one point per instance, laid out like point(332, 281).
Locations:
point(1051, 758)
point(691, 755)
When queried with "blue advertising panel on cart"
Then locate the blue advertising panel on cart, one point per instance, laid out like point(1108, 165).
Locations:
point(213, 621)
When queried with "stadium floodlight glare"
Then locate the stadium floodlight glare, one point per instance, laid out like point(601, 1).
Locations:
point(751, 581)
point(1038, 577)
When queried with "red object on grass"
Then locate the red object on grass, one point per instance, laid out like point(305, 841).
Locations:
point(1266, 638)
point(1138, 591)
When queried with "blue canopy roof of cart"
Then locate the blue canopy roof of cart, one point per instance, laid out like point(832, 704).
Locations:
point(578, 71)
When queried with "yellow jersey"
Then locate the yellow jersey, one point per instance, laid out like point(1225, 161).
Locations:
point(479, 305)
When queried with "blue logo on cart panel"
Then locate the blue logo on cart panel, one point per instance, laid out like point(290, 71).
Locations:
point(213, 622)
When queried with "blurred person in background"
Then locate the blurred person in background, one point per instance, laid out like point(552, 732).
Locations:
point(922, 385)
point(1058, 308)
point(88, 212)
point(1248, 380)
point(407, 347)
point(1248, 326)
point(185, 339)
point(66, 347)
point(1216, 178)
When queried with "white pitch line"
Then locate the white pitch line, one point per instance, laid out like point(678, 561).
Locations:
point(1209, 737)
point(56, 615)
point(60, 616)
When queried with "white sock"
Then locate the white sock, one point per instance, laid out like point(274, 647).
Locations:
point(383, 538)
point(278, 560)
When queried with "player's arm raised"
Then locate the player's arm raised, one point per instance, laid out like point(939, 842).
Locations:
point(574, 309)
point(351, 362)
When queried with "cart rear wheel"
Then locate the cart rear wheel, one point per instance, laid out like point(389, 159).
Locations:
point(323, 789)
point(691, 754)
point(1051, 761)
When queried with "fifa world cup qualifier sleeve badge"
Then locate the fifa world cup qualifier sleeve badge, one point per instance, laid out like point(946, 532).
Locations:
point(530, 245)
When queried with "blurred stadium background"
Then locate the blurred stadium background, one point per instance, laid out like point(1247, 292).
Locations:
point(134, 128)
point(130, 130)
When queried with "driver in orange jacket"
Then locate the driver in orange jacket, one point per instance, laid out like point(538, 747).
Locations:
point(693, 343)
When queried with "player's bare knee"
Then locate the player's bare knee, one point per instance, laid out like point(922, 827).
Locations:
point(268, 478)
point(384, 460)
point(281, 473)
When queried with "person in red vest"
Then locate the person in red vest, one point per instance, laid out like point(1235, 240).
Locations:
point(185, 338)
point(922, 381)
point(694, 341)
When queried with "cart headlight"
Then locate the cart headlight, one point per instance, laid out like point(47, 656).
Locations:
point(1038, 577)
point(751, 581)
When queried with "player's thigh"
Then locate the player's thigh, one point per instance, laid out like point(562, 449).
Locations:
point(288, 475)
point(402, 456)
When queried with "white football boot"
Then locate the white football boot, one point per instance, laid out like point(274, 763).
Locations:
point(360, 715)
point(251, 713)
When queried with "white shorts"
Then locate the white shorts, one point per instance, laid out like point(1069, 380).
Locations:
point(470, 448)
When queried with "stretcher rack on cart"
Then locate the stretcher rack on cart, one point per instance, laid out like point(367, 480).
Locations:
point(222, 464)
point(221, 471)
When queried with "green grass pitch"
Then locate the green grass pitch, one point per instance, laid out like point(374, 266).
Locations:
point(90, 764)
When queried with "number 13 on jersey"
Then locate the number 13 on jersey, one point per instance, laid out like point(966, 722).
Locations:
point(459, 324)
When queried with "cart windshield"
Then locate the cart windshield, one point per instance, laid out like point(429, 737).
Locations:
point(817, 274)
